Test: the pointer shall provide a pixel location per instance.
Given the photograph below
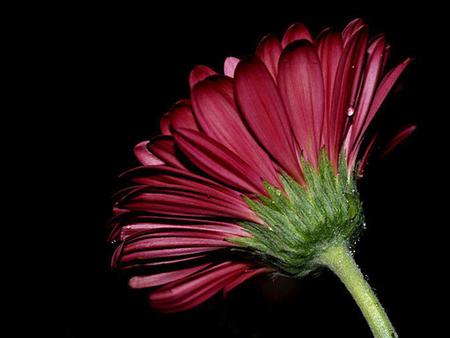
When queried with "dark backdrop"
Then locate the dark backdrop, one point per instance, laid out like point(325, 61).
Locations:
point(115, 70)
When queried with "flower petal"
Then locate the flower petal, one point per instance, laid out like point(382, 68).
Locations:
point(139, 282)
point(269, 51)
point(230, 66)
point(218, 161)
point(144, 155)
point(195, 289)
point(263, 109)
point(164, 148)
point(199, 73)
point(181, 116)
point(216, 111)
point(345, 90)
point(397, 139)
point(296, 32)
point(329, 50)
point(301, 87)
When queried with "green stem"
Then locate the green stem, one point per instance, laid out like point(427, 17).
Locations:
point(341, 262)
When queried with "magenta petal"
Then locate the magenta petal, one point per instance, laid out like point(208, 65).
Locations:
point(173, 242)
point(145, 156)
point(372, 74)
point(230, 66)
point(242, 278)
point(179, 202)
point(164, 148)
point(269, 51)
point(364, 157)
point(397, 139)
point(264, 111)
point(181, 116)
point(164, 124)
point(138, 256)
point(199, 73)
point(216, 111)
point(347, 82)
point(329, 50)
point(351, 29)
point(139, 282)
point(301, 87)
point(195, 289)
point(218, 161)
point(386, 85)
point(295, 32)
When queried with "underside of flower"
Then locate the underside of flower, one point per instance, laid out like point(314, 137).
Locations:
point(256, 172)
point(302, 221)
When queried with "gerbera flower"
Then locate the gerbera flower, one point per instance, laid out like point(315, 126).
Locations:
point(256, 173)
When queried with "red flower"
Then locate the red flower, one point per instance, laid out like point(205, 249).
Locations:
point(173, 223)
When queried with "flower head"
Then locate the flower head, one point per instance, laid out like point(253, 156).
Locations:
point(256, 172)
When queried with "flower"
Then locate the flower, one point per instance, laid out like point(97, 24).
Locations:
point(256, 173)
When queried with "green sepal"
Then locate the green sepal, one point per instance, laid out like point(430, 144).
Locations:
point(304, 220)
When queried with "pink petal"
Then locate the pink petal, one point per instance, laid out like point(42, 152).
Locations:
point(218, 161)
point(242, 278)
point(295, 32)
point(372, 75)
point(365, 157)
point(301, 87)
point(138, 229)
point(351, 29)
point(230, 66)
point(199, 73)
point(195, 289)
point(269, 51)
point(181, 116)
point(164, 148)
point(263, 109)
point(164, 124)
point(385, 87)
point(215, 109)
point(345, 90)
point(179, 202)
point(139, 282)
point(138, 256)
point(144, 155)
point(329, 50)
point(173, 242)
point(397, 139)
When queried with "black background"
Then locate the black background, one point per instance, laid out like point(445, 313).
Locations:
point(114, 70)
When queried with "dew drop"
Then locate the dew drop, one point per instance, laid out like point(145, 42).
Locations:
point(113, 242)
point(350, 111)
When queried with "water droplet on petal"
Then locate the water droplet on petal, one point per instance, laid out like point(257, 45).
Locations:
point(350, 111)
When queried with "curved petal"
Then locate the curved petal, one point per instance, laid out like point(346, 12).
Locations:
point(301, 87)
point(296, 32)
point(196, 289)
point(269, 51)
point(230, 66)
point(263, 109)
point(397, 139)
point(345, 90)
point(216, 111)
point(199, 73)
point(144, 155)
point(181, 116)
point(218, 161)
point(140, 282)
point(329, 50)
point(351, 28)
point(164, 148)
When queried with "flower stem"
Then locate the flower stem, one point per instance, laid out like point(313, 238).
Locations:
point(340, 261)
